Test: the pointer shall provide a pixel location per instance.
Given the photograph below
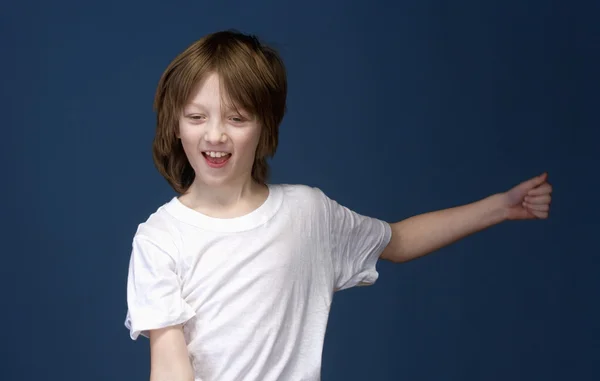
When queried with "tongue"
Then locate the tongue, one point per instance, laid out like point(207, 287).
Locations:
point(217, 160)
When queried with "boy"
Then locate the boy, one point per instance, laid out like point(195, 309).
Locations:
point(233, 278)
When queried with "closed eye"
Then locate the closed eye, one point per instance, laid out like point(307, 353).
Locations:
point(196, 117)
point(237, 119)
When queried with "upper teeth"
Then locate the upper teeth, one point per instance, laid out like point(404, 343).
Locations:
point(216, 154)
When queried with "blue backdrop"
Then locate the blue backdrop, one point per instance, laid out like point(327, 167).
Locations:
point(395, 108)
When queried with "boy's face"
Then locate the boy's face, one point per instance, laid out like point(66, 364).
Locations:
point(219, 143)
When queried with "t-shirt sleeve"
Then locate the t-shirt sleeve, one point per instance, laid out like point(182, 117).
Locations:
point(356, 242)
point(154, 297)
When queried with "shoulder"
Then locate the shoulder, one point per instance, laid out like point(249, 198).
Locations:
point(159, 230)
point(306, 202)
point(301, 194)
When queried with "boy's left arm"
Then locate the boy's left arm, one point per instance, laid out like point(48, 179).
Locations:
point(425, 233)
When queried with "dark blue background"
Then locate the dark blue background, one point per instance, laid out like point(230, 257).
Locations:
point(395, 108)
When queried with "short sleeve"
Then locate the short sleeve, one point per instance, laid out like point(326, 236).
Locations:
point(154, 298)
point(356, 242)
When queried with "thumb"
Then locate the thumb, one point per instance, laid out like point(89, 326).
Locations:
point(536, 181)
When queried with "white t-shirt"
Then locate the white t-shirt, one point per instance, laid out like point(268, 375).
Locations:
point(254, 292)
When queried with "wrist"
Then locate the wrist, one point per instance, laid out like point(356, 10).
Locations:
point(496, 208)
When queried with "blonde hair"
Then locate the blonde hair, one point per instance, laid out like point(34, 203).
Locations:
point(253, 78)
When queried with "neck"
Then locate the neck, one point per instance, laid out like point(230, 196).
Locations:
point(225, 201)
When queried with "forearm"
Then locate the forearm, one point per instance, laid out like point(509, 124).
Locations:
point(169, 358)
point(174, 372)
point(425, 233)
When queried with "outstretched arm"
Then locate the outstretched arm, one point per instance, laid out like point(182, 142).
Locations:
point(425, 233)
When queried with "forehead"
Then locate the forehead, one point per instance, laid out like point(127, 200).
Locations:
point(207, 91)
point(210, 94)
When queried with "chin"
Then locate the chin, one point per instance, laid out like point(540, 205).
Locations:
point(213, 181)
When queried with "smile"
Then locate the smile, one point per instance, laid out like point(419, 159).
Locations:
point(216, 159)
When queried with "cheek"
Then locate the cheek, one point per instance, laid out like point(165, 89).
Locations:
point(189, 135)
point(249, 144)
point(189, 140)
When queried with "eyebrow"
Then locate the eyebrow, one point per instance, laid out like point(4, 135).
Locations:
point(226, 110)
point(197, 105)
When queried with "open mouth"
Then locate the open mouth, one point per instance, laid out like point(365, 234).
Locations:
point(216, 159)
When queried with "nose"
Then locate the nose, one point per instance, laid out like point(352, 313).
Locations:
point(215, 133)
